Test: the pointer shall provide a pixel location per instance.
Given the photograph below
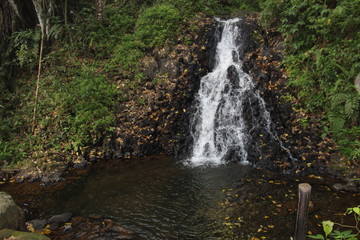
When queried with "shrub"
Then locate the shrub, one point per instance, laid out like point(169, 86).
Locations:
point(322, 60)
point(157, 24)
point(88, 103)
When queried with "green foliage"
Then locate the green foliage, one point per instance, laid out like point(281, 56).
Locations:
point(25, 44)
point(88, 103)
point(157, 24)
point(213, 7)
point(91, 38)
point(154, 27)
point(128, 54)
point(322, 59)
point(10, 153)
point(330, 233)
point(77, 97)
point(271, 12)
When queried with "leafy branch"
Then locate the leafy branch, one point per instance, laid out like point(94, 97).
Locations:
point(330, 233)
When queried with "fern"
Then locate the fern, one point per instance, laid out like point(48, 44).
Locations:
point(338, 99)
point(351, 106)
point(337, 123)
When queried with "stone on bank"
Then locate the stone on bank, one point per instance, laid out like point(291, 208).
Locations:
point(11, 216)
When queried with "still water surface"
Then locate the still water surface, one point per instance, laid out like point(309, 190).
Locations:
point(161, 198)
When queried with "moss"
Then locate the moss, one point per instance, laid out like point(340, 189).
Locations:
point(7, 233)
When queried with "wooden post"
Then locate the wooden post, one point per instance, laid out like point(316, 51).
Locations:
point(302, 211)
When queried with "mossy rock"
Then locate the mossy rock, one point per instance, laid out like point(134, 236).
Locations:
point(9, 212)
point(7, 233)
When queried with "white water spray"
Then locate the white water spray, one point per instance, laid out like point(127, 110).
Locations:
point(219, 128)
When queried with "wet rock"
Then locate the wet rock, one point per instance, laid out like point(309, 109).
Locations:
point(61, 218)
point(30, 175)
point(37, 224)
point(11, 216)
point(233, 76)
point(17, 235)
point(338, 187)
point(351, 188)
point(54, 174)
point(54, 226)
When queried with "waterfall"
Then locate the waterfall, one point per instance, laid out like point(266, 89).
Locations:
point(229, 108)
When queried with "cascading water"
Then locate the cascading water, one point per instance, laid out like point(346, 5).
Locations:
point(229, 108)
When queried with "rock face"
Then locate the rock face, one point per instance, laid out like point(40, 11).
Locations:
point(15, 235)
point(155, 116)
point(11, 216)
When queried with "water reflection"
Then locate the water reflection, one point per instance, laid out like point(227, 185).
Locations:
point(159, 198)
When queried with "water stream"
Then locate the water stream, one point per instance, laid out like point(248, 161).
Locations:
point(226, 100)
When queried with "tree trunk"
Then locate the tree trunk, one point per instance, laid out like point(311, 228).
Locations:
point(44, 11)
point(66, 12)
point(100, 14)
point(33, 128)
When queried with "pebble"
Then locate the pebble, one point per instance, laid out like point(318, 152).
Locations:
point(338, 187)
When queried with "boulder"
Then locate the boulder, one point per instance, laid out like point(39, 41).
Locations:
point(61, 218)
point(12, 234)
point(37, 224)
point(11, 216)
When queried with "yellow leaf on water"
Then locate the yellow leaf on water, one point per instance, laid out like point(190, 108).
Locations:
point(45, 231)
point(30, 227)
